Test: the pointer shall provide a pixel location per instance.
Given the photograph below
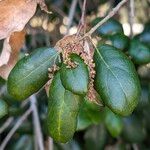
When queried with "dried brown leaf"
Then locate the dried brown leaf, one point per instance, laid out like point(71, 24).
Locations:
point(14, 14)
point(13, 46)
point(4, 57)
point(17, 40)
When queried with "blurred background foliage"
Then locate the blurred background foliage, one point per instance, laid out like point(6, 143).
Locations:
point(98, 128)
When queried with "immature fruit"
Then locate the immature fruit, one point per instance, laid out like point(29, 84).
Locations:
point(133, 130)
point(139, 52)
point(110, 27)
point(113, 123)
point(75, 79)
point(116, 80)
point(3, 108)
point(63, 109)
point(120, 41)
point(31, 73)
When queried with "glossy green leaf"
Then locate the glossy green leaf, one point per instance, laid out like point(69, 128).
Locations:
point(120, 41)
point(110, 27)
point(139, 52)
point(133, 130)
point(116, 80)
point(113, 123)
point(75, 79)
point(62, 111)
point(89, 114)
point(3, 108)
point(31, 73)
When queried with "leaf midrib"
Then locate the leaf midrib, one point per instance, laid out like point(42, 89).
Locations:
point(107, 66)
point(36, 69)
point(59, 115)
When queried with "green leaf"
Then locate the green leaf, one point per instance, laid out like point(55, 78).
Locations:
point(89, 114)
point(147, 26)
point(144, 101)
point(113, 123)
point(63, 109)
point(75, 79)
point(16, 111)
point(31, 73)
point(120, 41)
point(9, 99)
point(145, 117)
point(144, 37)
point(110, 27)
point(71, 145)
point(139, 52)
point(14, 106)
point(133, 130)
point(96, 137)
point(2, 81)
point(3, 108)
point(116, 80)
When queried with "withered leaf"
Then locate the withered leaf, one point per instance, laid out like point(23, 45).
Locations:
point(14, 14)
point(4, 57)
point(13, 46)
